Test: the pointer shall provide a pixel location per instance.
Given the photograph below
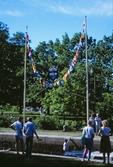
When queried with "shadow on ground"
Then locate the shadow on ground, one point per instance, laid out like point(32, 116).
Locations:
point(12, 160)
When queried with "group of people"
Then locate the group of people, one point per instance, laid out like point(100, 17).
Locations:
point(96, 122)
point(29, 130)
point(103, 130)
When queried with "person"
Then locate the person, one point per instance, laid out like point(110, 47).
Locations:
point(88, 132)
point(17, 126)
point(11, 117)
point(97, 123)
point(105, 145)
point(29, 130)
point(92, 119)
point(65, 145)
point(41, 110)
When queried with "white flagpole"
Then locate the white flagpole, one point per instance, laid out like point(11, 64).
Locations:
point(87, 85)
point(24, 98)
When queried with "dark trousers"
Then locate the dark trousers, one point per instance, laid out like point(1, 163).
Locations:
point(88, 148)
point(29, 144)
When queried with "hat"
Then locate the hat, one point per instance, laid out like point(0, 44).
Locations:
point(97, 114)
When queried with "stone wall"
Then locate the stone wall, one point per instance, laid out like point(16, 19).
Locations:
point(48, 144)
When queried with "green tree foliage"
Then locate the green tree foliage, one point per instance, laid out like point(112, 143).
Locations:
point(101, 57)
point(11, 71)
point(70, 98)
point(4, 46)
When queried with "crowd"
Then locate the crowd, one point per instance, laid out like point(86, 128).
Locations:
point(29, 130)
point(95, 126)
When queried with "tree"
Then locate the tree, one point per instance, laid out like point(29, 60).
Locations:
point(101, 57)
point(4, 61)
point(11, 67)
point(69, 97)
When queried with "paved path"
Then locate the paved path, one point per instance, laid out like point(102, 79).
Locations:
point(54, 134)
point(57, 156)
point(57, 135)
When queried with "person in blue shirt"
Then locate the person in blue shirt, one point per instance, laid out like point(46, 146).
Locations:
point(29, 130)
point(97, 123)
point(88, 132)
point(17, 126)
point(92, 119)
point(105, 144)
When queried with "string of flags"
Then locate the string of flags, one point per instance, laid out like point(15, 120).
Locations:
point(71, 67)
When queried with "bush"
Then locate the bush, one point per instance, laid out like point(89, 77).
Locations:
point(74, 125)
point(48, 123)
point(9, 108)
point(71, 124)
point(4, 122)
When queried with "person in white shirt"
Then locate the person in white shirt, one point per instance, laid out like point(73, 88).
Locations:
point(65, 145)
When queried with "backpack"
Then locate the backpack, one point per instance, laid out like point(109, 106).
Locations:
point(82, 140)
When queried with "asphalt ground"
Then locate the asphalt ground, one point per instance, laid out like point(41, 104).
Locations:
point(54, 156)
point(53, 134)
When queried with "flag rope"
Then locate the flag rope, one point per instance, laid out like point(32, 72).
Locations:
point(71, 67)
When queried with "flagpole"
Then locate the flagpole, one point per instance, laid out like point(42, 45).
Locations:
point(24, 98)
point(87, 85)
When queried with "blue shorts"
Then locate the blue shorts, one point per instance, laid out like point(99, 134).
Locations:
point(19, 137)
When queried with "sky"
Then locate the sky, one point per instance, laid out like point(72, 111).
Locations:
point(51, 19)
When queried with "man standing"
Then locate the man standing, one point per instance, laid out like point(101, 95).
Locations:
point(92, 119)
point(97, 123)
point(17, 126)
point(88, 133)
point(29, 130)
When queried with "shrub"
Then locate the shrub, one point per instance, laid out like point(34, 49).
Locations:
point(4, 122)
point(48, 123)
point(71, 124)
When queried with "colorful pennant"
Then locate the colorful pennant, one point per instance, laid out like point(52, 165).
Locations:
point(71, 67)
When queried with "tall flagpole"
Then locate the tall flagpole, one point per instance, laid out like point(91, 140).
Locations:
point(24, 98)
point(87, 85)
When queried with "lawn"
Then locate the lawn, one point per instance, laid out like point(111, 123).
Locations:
point(13, 160)
point(47, 132)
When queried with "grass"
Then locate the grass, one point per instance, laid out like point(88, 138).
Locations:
point(48, 132)
point(13, 160)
